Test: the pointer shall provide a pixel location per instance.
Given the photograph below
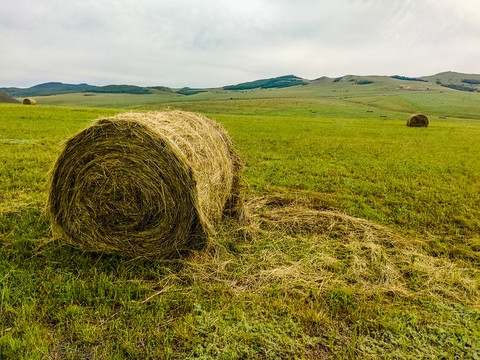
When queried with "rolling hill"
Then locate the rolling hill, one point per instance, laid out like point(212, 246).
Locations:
point(451, 80)
point(278, 82)
point(456, 81)
point(4, 98)
point(56, 88)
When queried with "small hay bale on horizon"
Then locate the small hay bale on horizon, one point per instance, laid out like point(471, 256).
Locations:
point(149, 185)
point(417, 120)
point(29, 101)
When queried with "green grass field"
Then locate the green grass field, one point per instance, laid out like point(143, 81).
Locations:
point(391, 272)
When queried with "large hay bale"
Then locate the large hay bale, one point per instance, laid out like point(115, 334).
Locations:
point(145, 184)
point(29, 101)
point(417, 120)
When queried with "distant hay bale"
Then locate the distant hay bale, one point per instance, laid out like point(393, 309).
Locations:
point(29, 101)
point(417, 120)
point(145, 184)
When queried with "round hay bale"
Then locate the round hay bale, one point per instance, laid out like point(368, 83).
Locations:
point(29, 101)
point(417, 120)
point(145, 184)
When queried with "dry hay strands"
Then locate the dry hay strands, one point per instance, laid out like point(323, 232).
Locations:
point(297, 215)
point(145, 184)
point(417, 120)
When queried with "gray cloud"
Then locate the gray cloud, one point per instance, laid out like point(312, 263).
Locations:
point(190, 43)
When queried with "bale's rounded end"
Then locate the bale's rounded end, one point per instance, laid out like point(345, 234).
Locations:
point(417, 120)
point(29, 101)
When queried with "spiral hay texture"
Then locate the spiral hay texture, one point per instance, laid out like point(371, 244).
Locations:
point(145, 184)
point(417, 120)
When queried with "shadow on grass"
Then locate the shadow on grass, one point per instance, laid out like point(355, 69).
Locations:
point(26, 242)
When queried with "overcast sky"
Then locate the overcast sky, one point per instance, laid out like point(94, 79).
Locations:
point(212, 43)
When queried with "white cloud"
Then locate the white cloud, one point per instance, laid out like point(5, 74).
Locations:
point(218, 42)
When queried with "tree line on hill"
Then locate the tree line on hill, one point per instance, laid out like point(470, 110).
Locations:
point(406, 78)
point(278, 82)
point(461, 87)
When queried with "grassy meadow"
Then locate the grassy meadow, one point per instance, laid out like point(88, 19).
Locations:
point(363, 239)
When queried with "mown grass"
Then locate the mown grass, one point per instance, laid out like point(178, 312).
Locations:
point(383, 263)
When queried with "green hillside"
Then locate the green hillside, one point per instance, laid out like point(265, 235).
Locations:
point(456, 81)
point(4, 98)
point(278, 82)
point(51, 88)
point(56, 88)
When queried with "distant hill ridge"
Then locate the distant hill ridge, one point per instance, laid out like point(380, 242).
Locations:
point(59, 85)
point(4, 98)
point(449, 79)
point(56, 88)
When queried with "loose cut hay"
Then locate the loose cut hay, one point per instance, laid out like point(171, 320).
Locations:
point(417, 120)
point(303, 249)
point(29, 101)
point(299, 216)
point(150, 184)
